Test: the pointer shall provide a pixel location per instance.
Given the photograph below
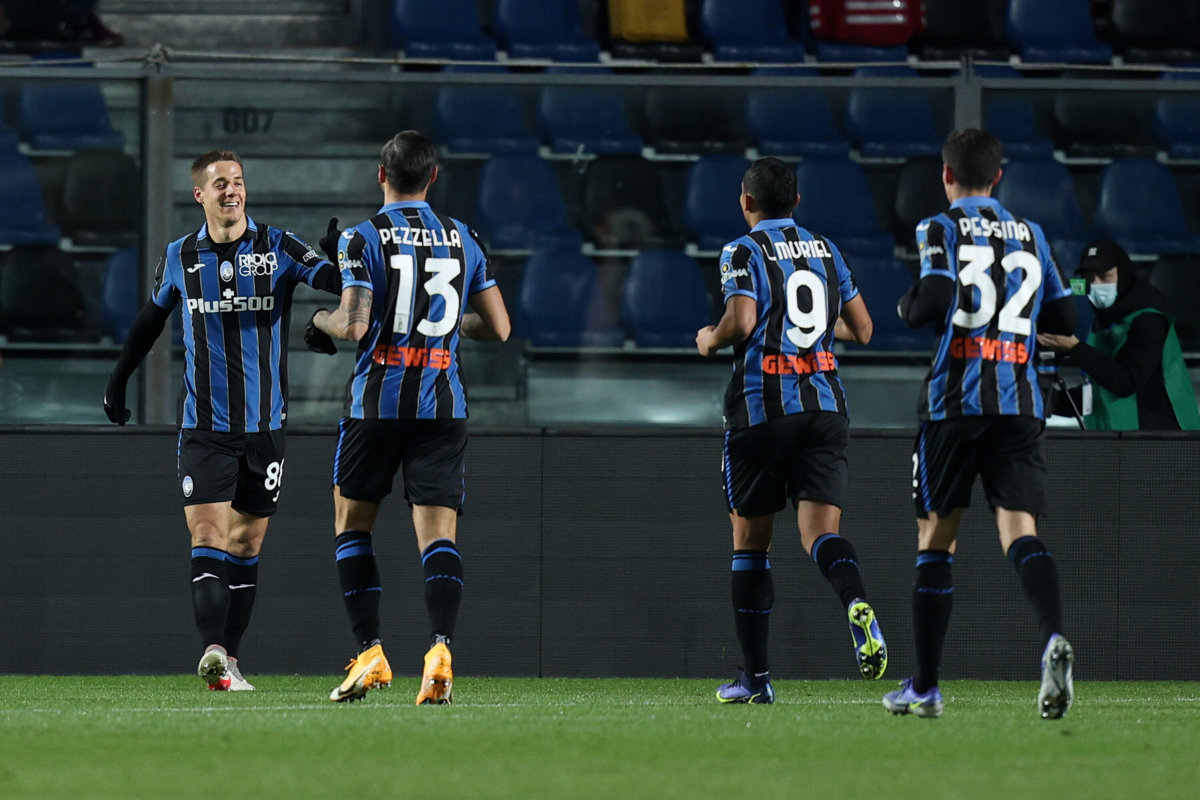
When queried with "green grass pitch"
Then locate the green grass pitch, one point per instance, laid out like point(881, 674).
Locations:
point(165, 737)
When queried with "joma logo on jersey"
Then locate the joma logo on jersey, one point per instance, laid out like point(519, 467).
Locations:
point(421, 237)
point(196, 304)
point(257, 264)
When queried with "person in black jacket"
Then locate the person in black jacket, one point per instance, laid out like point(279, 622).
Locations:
point(1135, 376)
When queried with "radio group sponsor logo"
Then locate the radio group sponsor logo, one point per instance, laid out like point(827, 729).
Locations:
point(226, 271)
point(257, 264)
point(187, 486)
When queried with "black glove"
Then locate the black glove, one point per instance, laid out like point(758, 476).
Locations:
point(316, 339)
point(329, 242)
point(114, 402)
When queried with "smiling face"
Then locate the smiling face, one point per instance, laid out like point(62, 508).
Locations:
point(221, 190)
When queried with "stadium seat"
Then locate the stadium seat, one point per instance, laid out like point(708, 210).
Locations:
point(9, 137)
point(119, 295)
point(655, 31)
point(1163, 31)
point(1177, 119)
point(919, 194)
point(665, 300)
point(22, 206)
point(686, 120)
point(454, 32)
point(483, 119)
point(862, 31)
point(586, 119)
point(101, 199)
point(711, 211)
point(549, 29)
point(1012, 119)
point(793, 122)
point(1179, 280)
point(748, 30)
point(1043, 190)
point(957, 28)
point(882, 282)
point(40, 300)
point(623, 203)
point(560, 303)
point(1140, 208)
point(521, 206)
point(1052, 31)
point(836, 201)
point(1104, 124)
point(891, 122)
point(65, 116)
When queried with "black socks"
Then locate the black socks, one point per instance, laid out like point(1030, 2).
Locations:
point(932, 601)
point(753, 597)
point(442, 564)
point(838, 562)
point(1039, 578)
point(359, 576)
point(210, 593)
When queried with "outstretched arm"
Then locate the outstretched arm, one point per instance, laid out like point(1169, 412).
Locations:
point(143, 333)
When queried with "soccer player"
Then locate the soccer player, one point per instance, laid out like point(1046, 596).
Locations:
point(988, 283)
point(407, 276)
point(788, 293)
point(234, 280)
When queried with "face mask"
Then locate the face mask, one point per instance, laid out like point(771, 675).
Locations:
point(1102, 295)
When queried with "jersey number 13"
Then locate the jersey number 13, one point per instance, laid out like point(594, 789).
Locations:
point(441, 272)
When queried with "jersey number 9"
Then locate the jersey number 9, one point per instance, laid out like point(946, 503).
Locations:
point(804, 328)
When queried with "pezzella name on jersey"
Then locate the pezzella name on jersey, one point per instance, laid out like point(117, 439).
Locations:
point(421, 237)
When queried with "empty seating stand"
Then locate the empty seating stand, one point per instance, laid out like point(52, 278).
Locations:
point(665, 300)
point(1043, 190)
point(1177, 117)
point(521, 205)
point(1163, 31)
point(482, 119)
point(23, 217)
point(1141, 209)
point(560, 303)
point(836, 201)
point(711, 210)
point(56, 116)
point(655, 31)
point(547, 29)
point(793, 122)
point(1053, 31)
point(453, 32)
point(586, 119)
point(749, 30)
point(891, 122)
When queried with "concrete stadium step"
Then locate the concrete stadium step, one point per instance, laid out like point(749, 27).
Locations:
point(227, 26)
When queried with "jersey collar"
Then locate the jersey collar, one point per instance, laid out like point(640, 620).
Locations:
point(975, 201)
point(773, 224)
point(403, 204)
point(251, 229)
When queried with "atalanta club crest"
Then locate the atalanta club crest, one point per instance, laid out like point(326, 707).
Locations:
point(187, 486)
point(226, 271)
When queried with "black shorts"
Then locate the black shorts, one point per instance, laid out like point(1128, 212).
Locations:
point(245, 468)
point(370, 451)
point(800, 456)
point(1006, 451)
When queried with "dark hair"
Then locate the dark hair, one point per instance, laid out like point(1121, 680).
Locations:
point(408, 160)
point(772, 184)
point(974, 157)
point(211, 157)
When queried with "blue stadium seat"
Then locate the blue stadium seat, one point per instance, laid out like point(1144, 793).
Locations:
point(957, 28)
point(119, 296)
point(1104, 124)
point(1165, 31)
point(588, 119)
point(748, 30)
point(836, 52)
point(1011, 119)
point(793, 122)
point(1043, 190)
point(1140, 208)
point(560, 303)
point(711, 211)
point(882, 282)
point(66, 116)
point(919, 194)
point(1177, 119)
point(8, 136)
point(521, 206)
point(665, 300)
point(40, 298)
point(1179, 280)
point(550, 29)
point(22, 206)
point(453, 32)
point(891, 122)
point(1048, 31)
point(482, 119)
point(623, 204)
point(836, 201)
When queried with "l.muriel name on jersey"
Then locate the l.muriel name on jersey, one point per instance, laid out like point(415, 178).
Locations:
point(790, 251)
point(421, 237)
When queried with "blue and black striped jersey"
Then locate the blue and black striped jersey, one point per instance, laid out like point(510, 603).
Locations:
point(1003, 272)
point(235, 321)
point(421, 267)
point(799, 282)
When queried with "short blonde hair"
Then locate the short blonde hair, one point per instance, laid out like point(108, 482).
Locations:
point(211, 157)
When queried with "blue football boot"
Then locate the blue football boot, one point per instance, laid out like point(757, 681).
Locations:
point(906, 700)
point(869, 647)
point(744, 689)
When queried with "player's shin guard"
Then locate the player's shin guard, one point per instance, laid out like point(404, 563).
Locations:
point(442, 564)
point(838, 562)
point(361, 589)
point(243, 586)
point(1039, 578)
point(210, 593)
point(753, 598)
point(932, 601)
